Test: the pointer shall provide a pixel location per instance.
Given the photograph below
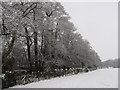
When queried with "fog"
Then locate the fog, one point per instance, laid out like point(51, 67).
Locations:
point(98, 23)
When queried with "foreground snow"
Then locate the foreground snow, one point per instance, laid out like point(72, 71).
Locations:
point(102, 78)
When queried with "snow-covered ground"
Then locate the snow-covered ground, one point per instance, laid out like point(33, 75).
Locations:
point(102, 78)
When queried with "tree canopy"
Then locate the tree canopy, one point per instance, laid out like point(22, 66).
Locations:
point(40, 35)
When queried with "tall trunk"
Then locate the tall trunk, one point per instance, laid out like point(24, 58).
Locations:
point(36, 50)
point(28, 49)
point(42, 43)
point(9, 48)
point(41, 64)
point(35, 42)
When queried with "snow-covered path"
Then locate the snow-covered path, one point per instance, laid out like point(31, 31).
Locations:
point(102, 78)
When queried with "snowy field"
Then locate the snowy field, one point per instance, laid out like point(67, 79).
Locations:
point(102, 78)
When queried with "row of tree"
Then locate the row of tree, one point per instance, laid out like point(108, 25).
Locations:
point(39, 36)
point(115, 63)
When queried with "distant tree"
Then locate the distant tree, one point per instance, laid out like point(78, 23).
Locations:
point(111, 63)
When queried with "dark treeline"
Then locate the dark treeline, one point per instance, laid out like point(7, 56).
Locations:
point(39, 37)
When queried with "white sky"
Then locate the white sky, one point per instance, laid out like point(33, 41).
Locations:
point(98, 23)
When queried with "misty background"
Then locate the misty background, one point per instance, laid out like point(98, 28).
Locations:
point(98, 23)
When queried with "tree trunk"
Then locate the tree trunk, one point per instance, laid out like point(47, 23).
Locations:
point(8, 50)
point(41, 64)
point(28, 49)
point(36, 50)
point(35, 42)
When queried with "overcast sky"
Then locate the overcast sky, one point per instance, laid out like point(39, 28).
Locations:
point(98, 23)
